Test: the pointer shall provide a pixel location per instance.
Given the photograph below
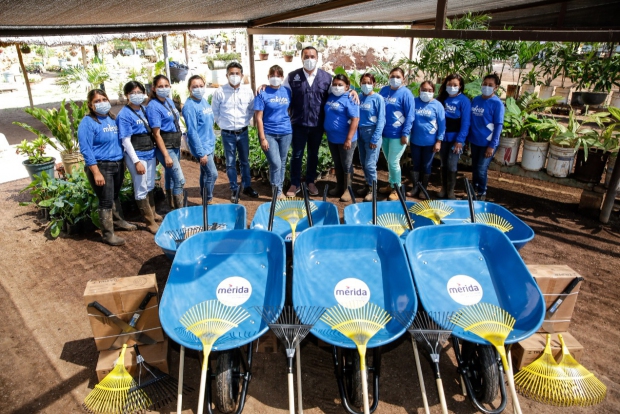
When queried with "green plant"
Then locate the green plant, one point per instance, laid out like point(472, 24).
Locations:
point(34, 150)
point(530, 102)
point(590, 71)
point(531, 77)
point(262, 52)
point(80, 78)
point(473, 88)
point(288, 53)
point(540, 129)
point(226, 57)
point(577, 134)
point(63, 125)
point(354, 76)
point(526, 53)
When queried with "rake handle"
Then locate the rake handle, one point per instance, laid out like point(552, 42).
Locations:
point(442, 396)
point(299, 390)
point(180, 385)
point(291, 394)
point(420, 377)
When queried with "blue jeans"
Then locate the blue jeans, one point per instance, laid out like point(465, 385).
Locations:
point(368, 156)
point(174, 178)
point(449, 159)
point(422, 158)
point(237, 144)
point(208, 176)
point(301, 136)
point(479, 167)
point(276, 155)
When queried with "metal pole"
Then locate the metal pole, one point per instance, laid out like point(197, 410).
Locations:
point(186, 51)
point(610, 196)
point(252, 71)
point(21, 63)
point(164, 40)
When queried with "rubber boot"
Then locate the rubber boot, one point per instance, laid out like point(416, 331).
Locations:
point(151, 198)
point(415, 177)
point(119, 218)
point(451, 183)
point(368, 194)
point(363, 191)
point(346, 196)
point(177, 200)
point(169, 201)
point(337, 191)
point(444, 183)
point(147, 215)
point(425, 178)
point(107, 228)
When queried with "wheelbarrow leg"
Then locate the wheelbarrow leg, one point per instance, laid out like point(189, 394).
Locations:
point(300, 403)
point(180, 388)
point(375, 369)
point(245, 376)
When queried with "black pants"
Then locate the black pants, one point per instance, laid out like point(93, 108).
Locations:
point(343, 159)
point(113, 173)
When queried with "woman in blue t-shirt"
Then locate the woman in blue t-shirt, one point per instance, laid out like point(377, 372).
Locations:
point(372, 121)
point(342, 116)
point(487, 121)
point(199, 120)
point(458, 116)
point(103, 163)
point(429, 127)
point(164, 118)
point(399, 106)
point(274, 125)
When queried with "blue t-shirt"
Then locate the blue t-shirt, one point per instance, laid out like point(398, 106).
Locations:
point(130, 122)
point(399, 106)
point(456, 107)
point(429, 124)
point(372, 113)
point(99, 140)
point(338, 113)
point(162, 115)
point(274, 103)
point(199, 121)
point(487, 120)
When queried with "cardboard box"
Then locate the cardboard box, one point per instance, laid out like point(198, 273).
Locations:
point(155, 355)
point(268, 343)
point(530, 349)
point(552, 280)
point(122, 297)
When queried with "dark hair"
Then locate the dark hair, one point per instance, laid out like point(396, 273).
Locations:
point(443, 93)
point(156, 80)
point(398, 69)
point(131, 85)
point(369, 76)
point(91, 111)
point(342, 78)
point(194, 77)
point(429, 83)
point(276, 70)
point(234, 65)
point(493, 76)
point(309, 47)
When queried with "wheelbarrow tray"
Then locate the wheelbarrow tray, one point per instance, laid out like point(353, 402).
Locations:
point(361, 213)
point(204, 261)
point(232, 215)
point(327, 255)
point(519, 235)
point(438, 254)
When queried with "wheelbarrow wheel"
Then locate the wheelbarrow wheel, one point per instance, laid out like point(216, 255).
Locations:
point(353, 377)
point(482, 363)
point(227, 381)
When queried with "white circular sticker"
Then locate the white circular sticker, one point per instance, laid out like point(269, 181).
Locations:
point(352, 293)
point(464, 289)
point(289, 237)
point(234, 291)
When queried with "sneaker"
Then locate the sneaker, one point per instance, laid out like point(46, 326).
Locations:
point(363, 191)
point(312, 190)
point(385, 190)
point(292, 191)
point(393, 196)
point(250, 192)
point(233, 196)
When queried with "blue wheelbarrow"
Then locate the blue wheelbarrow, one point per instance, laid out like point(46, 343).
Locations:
point(242, 268)
point(334, 264)
point(464, 264)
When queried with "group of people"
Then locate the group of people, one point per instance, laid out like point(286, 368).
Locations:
point(293, 110)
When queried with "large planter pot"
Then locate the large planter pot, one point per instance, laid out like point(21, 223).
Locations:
point(615, 99)
point(507, 151)
point(288, 58)
point(527, 88)
point(611, 163)
point(217, 64)
point(560, 161)
point(546, 92)
point(263, 56)
point(590, 170)
point(575, 99)
point(593, 98)
point(71, 161)
point(564, 93)
point(512, 91)
point(534, 155)
point(178, 74)
point(37, 169)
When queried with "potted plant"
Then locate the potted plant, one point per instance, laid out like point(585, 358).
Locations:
point(37, 161)
point(221, 60)
point(595, 76)
point(512, 132)
point(263, 55)
point(549, 69)
point(530, 81)
point(25, 49)
point(122, 99)
point(538, 133)
point(612, 143)
point(63, 124)
point(288, 55)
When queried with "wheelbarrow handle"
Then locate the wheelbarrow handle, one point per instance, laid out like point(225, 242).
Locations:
point(325, 192)
point(304, 189)
point(272, 208)
point(470, 200)
point(403, 203)
point(350, 189)
point(374, 202)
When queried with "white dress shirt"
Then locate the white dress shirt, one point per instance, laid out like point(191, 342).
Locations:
point(309, 77)
point(233, 107)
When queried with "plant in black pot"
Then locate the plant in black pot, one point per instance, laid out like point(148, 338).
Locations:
point(595, 75)
point(37, 161)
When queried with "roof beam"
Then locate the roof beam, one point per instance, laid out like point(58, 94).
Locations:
point(440, 16)
point(305, 11)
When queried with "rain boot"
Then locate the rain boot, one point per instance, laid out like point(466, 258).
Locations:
point(444, 183)
point(177, 200)
point(337, 190)
point(147, 215)
point(415, 177)
point(119, 218)
point(107, 228)
point(151, 198)
point(425, 178)
point(363, 191)
point(368, 194)
point(169, 201)
point(346, 195)
point(451, 184)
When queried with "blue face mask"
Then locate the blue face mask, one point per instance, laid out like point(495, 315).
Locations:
point(366, 89)
point(137, 99)
point(426, 96)
point(395, 82)
point(487, 90)
point(162, 92)
point(102, 108)
point(198, 93)
point(452, 90)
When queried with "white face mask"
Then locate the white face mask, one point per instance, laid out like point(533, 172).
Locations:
point(309, 64)
point(337, 90)
point(162, 92)
point(395, 82)
point(452, 90)
point(102, 108)
point(234, 79)
point(366, 89)
point(426, 96)
point(487, 90)
point(137, 99)
point(198, 93)
point(275, 81)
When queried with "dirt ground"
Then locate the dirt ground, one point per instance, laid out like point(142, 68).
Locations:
point(49, 356)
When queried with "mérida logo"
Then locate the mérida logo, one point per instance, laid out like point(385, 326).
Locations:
point(352, 293)
point(464, 289)
point(234, 291)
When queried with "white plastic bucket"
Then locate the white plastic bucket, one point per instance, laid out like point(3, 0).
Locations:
point(615, 99)
point(560, 162)
point(507, 151)
point(546, 92)
point(610, 170)
point(534, 155)
point(527, 88)
point(563, 92)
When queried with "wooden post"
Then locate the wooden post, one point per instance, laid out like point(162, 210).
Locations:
point(610, 197)
point(96, 52)
point(411, 42)
point(252, 71)
point(186, 51)
point(21, 63)
point(164, 40)
point(84, 58)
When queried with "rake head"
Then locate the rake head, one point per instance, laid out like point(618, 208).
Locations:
point(110, 395)
point(292, 209)
point(586, 388)
point(432, 209)
point(395, 222)
point(432, 331)
point(492, 220)
point(184, 233)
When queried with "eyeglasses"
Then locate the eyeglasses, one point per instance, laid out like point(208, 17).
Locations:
point(136, 93)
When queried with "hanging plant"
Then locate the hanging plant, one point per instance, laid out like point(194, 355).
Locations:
point(25, 49)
